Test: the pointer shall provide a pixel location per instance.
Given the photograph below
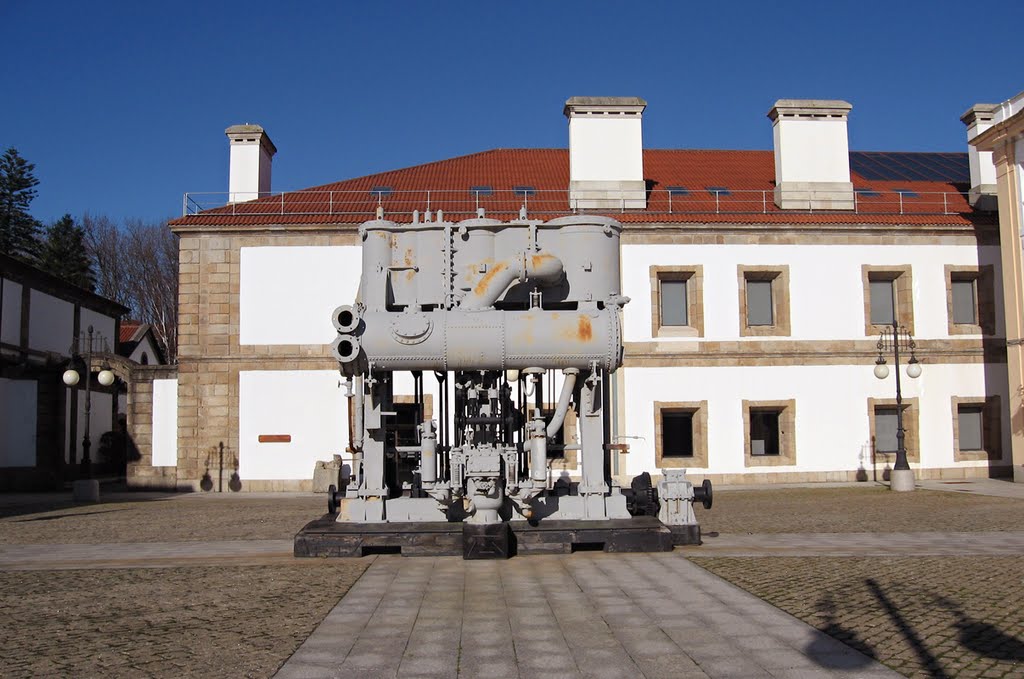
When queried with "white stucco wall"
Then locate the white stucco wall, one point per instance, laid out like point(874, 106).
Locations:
point(308, 405)
point(51, 323)
point(826, 288)
point(17, 423)
point(605, 148)
point(811, 150)
point(248, 172)
point(165, 423)
point(10, 323)
point(832, 425)
point(287, 294)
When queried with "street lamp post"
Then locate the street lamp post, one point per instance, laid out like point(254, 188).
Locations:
point(901, 478)
point(83, 349)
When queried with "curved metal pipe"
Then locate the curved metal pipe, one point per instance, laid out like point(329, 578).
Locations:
point(541, 266)
point(563, 401)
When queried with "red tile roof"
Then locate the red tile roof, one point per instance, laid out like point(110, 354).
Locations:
point(748, 175)
point(128, 330)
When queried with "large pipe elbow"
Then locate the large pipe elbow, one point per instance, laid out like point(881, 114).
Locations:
point(563, 401)
point(540, 266)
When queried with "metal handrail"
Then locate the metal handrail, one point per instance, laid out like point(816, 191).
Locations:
point(541, 202)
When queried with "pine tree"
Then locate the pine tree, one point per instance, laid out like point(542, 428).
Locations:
point(19, 231)
point(65, 254)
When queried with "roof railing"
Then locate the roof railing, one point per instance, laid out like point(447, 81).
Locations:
point(462, 204)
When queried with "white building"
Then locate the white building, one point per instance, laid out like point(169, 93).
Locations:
point(40, 317)
point(759, 281)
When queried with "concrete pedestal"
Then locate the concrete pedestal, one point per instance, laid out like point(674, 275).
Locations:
point(901, 479)
point(86, 490)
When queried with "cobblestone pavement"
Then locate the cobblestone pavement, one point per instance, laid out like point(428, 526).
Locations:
point(157, 518)
point(923, 616)
point(220, 565)
point(856, 509)
point(223, 621)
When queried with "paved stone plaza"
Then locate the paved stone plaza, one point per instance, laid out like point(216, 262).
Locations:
point(843, 582)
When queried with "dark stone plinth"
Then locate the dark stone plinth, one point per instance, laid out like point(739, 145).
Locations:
point(486, 541)
point(685, 535)
point(326, 537)
point(638, 534)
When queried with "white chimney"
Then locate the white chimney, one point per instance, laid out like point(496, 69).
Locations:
point(979, 118)
point(812, 154)
point(606, 155)
point(249, 167)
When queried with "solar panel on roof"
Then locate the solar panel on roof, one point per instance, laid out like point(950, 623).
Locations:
point(934, 167)
point(907, 193)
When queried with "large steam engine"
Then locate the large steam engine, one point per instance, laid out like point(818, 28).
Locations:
point(518, 324)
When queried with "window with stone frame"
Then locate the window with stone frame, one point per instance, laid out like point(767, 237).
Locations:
point(764, 300)
point(677, 301)
point(680, 434)
point(769, 433)
point(977, 432)
point(888, 297)
point(970, 300)
point(883, 425)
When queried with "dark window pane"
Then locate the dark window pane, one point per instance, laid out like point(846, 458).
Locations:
point(759, 303)
point(970, 425)
point(764, 432)
point(676, 434)
point(673, 303)
point(885, 430)
point(883, 310)
point(964, 308)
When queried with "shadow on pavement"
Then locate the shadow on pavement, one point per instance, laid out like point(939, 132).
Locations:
point(824, 652)
point(928, 661)
point(982, 638)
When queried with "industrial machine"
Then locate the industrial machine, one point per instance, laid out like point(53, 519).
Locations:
point(512, 327)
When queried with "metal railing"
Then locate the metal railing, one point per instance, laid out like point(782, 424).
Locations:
point(462, 204)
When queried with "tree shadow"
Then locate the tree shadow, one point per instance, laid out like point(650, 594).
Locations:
point(826, 653)
point(928, 661)
point(982, 638)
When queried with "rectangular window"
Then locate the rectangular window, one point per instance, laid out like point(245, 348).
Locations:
point(677, 298)
point(888, 298)
point(759, 303)
point(676, 434)
point(977, 433)
point(769, 433)
point(673, 303)
point(885, 430)
point(680, 434)
point(971, 425)
point(764, 300)
point(964, 302)
point(764, 432)
point(883, 305)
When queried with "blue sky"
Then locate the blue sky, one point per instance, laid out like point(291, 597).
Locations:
point(122, 105)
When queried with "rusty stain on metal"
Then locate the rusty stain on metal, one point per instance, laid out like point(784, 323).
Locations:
point(585, 331)
point(485, 282)
point(409, 262)
point(539, 260)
